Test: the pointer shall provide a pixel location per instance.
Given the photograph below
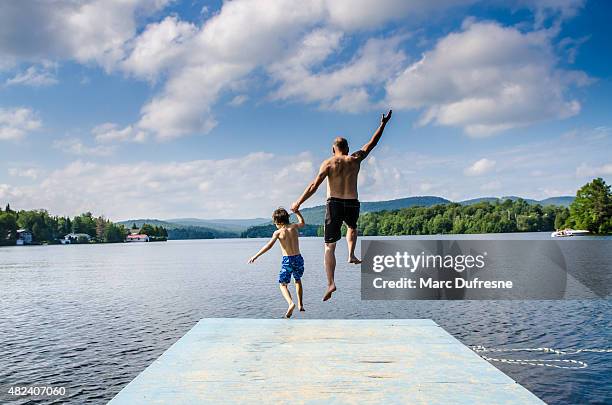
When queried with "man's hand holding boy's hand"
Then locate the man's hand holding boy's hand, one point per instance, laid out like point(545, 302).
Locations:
point(295, 207)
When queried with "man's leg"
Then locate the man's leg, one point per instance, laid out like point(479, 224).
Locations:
point(330, 269)
point(351, 240)
point(299, 292)
point(287, 296)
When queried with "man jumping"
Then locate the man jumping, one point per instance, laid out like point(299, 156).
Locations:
point(341, 171)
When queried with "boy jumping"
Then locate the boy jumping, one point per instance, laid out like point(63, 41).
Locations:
point(292, 263)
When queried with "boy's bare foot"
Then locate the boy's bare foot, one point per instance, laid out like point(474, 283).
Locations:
point(302, 309)
point(290, 311)
point(329, 292)
point(354, 260)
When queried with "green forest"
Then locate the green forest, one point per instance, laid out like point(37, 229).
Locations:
point(591, 210)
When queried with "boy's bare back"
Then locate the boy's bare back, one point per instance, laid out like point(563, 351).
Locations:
point(288, 236)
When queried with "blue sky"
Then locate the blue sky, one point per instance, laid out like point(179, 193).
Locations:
point(221, 110)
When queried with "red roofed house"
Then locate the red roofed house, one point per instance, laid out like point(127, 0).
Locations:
point(137, 238)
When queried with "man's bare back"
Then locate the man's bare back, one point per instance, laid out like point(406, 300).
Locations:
point(342, 174)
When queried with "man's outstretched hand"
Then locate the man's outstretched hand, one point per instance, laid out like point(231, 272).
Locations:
point(385, 118)
point(295, 207)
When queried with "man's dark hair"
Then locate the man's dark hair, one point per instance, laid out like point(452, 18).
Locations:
point(280, 216)
point(342, 144)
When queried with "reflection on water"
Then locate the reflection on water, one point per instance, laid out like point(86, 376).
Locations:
point(92, 317)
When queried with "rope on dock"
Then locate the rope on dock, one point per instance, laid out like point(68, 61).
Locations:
point(555, 363)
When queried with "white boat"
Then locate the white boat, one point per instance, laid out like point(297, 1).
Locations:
point(569, 232)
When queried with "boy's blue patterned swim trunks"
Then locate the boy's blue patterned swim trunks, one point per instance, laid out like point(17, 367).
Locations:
point(292, 265)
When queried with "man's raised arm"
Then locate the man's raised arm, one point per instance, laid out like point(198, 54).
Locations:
point(367, 148)
point(312, 187)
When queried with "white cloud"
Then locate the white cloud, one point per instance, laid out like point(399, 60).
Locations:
point(547, 9)
point(587, 170)
point(345, 87)
point(109, 132)
point(238, 100)
point(15, 123)
point(158, 47)
point(202, 62)
point(75, 146)
point(367, 14)
point(479, 167)
point(218, 55)
point(85, 31)
point(35, 76)
point(487, 78)
point(30, 172)
point(198, 62)
point(191, 188)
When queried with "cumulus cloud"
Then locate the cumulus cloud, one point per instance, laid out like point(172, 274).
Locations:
point(487, 78)
point(194, 188)
point(344, 88)
point(480, 167)
point(158, 47)
point(15, 123)
point(202, 62)
point(85, 31)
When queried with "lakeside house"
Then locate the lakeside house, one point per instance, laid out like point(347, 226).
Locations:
point(72, 238)
point(24, 237)
point(137, 238)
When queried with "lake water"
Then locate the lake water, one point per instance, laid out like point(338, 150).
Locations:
point(92, 317)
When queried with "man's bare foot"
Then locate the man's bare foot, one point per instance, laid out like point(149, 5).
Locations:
point(302, 308)
point(290, 311)
point(354, 260)
point(329, 292)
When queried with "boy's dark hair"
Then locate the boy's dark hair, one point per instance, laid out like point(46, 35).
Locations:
point(280, 216)
point(342, 144)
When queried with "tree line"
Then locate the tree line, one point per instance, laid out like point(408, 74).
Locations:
point(266, 231)
point(46, 228)
point(591, 210)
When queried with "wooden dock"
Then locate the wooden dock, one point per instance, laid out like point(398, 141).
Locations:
point(407, 361)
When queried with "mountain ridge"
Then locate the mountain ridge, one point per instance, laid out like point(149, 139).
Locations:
point(316, 215)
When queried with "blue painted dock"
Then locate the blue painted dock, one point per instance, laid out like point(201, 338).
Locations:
point(321, 361)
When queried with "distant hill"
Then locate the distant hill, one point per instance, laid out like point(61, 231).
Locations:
point(179, 231)
point(563, 201)
point(195, 228)
point(226, 225)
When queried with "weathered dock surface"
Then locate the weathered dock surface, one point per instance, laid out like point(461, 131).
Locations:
point(321, 361)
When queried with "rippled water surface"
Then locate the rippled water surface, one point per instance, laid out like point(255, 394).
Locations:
point(91, 317)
